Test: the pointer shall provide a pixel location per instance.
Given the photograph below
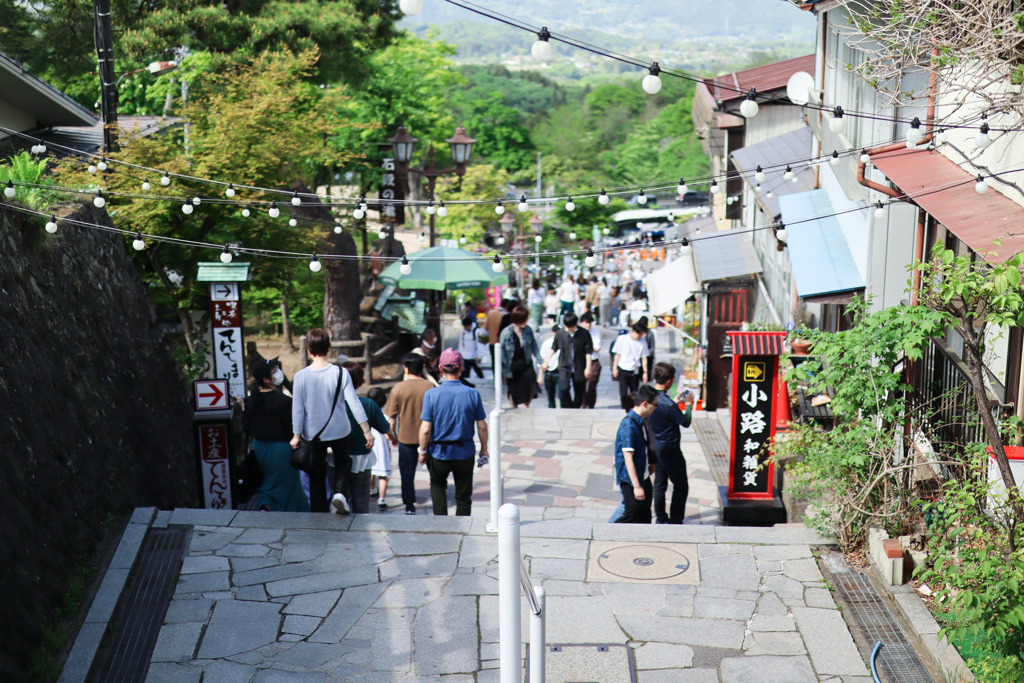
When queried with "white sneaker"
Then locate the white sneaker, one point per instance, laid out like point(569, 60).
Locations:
point(339, 504)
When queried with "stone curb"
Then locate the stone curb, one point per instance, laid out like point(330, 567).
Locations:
point(923, 625)
point(87, 643)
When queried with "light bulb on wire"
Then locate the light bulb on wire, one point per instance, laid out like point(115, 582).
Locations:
point(641, 198)
point(652, 81)
point(197, 200)
point(788, 175)
point(337, 230)
point(715, 187)
point(462, 240)
point(603, 198)
point(225, 256)
point(748, 108)
point(570, 205)
point(382, 234)
point(497, 266)
point(230, 192)
point(864, 156)
point(246, 213)
point(982, 140)
point(838, 124)
point(834, 159)
point(405, 268)
point(681, 188)
point(431, 209)
point(165, 179)
point(187, 207)
point(541, 48)
point(51, 225)
point(9, 191)
point(685, 249)
point(500, 208)
point(442, 210)
point(759, 174)
point(523, 206)
point(293, 221)
point(138, 242)
point(92, 168)
point(274, 211)
point(423, 238)
point(537, 239)
point(781, 233)
point(102, 164)
point(314, 264)
point(296, 201)
point(914, 134)
point(410, 7)
point(98, 201)
point(590, 260)
point(572, 235)
point(145, 186)
point(879, 210)
point(941, 137)
point(358, 214)
point(981, 187)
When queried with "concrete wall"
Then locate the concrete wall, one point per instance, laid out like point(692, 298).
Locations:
point(94, 417)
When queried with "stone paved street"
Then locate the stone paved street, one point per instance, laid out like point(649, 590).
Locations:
point(269, 597)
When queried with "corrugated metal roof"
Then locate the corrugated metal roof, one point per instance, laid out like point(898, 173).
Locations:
point(821, 258)
point(977, 219)
point(87, 139)
point(772, 152)
point(223, 272)
point(757, 343)
point(720, 254)
point(764, 78)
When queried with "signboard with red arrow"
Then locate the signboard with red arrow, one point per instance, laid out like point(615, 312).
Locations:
point(211, 394)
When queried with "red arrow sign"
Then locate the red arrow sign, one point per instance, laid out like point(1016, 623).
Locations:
point(211, 394)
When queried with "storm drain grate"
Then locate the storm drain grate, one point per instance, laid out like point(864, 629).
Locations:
point(897, 661)
point(129, 643)
point(716, 447)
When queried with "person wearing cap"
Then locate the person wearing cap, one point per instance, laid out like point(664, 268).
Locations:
point(470, 347)
point(446, 436)
point(267, 417)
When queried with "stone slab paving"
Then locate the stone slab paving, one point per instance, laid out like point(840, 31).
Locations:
point(382, 598)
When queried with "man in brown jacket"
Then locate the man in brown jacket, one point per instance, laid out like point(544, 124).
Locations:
point(591, 296)
point(403, 412)
point(494, 323)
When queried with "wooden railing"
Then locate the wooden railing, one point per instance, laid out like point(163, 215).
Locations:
point(942, 391)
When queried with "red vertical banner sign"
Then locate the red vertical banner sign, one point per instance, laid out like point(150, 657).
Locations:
point(228, 347)
point(755, 377)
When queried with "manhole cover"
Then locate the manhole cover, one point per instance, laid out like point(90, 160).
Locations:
point(589, 664)
point(616, 561)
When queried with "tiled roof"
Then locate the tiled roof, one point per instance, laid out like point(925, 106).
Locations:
point(765, 78)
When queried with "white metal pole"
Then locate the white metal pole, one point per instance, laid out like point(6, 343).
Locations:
point(497, 483)
point(509, 626)
point(497, 375)
point(538, 639)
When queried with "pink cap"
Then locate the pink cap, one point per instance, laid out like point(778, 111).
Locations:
point(451, 358)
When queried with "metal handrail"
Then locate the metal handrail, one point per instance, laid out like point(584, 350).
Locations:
point(527, 583)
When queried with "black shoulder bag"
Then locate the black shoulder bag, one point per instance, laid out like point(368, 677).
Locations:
point(302, 457)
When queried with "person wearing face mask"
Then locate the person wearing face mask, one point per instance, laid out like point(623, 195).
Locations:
point(267, 417)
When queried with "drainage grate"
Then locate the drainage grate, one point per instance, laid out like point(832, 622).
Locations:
point(129, 642)
point(716, 447)
point(897, 661)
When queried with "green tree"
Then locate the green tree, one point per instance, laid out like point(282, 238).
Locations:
point(346, 33)
point(502, 139)
point(472, 221)
point(261, 124)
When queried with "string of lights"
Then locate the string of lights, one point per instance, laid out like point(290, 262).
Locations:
point(227, 251)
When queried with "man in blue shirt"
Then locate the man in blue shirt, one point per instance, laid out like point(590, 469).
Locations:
point(665, 423)
point(632, 472)
point(446, 435)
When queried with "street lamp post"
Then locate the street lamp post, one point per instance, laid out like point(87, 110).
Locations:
point(403, 144)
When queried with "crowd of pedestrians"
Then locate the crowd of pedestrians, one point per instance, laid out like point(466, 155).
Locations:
point(315, 457)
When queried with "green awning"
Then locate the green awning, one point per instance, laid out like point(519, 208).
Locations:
point(223, 272)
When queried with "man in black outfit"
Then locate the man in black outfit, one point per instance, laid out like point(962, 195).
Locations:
point(575, 347)
point(671, 465)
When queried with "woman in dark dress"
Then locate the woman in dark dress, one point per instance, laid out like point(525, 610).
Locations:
point(518, 351)
point(267, 416)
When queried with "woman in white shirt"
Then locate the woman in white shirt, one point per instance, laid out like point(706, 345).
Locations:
point(314, 390)
point(551, 305)
point(535, 299)
point(630, 364)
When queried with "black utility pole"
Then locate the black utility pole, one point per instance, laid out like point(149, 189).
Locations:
point(104, 37)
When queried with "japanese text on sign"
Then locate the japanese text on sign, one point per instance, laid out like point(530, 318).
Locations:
point(228, 348)
point(752, 429)
point(213, 445)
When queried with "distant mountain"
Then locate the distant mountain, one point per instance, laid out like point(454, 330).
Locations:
point(669, 20)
